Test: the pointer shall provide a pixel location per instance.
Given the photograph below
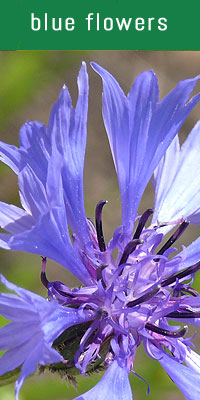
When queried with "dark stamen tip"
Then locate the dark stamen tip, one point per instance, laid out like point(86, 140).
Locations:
point(43, 277)
point(186, 272)
point(183, 314)
point(130, 247)
point(99, 208)
point(190, 291)
point(44, 263)
point(174, 237)
point(142, 221)
point(166, 332)
point(99, 229)
point(145, 297)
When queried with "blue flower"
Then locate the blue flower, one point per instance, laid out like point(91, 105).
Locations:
point(128, 300)
point(36, 323)
point(49, 165)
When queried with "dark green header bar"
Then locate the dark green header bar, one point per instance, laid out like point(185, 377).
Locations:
point(99, 25)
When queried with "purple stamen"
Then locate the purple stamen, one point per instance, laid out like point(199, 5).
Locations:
point(184, 314)
point(130, 247)
point(59, 287)
point(174, 237)
point(145, 297)
point(44, 279)
point(99, 229)
point(62, 290)
point(191, 291)
point(166, 332)
point(142, 221)
point(188, 271)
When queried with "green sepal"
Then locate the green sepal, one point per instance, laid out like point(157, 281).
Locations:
point(67, 344)
point(10, 377)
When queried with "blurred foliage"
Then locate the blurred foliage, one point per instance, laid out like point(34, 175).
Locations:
point(23, 74)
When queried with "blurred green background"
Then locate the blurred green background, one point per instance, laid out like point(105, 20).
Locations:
point(29, 85)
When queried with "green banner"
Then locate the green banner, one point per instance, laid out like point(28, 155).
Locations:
point(101, 25)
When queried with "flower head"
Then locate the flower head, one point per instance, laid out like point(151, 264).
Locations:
point(131, 299)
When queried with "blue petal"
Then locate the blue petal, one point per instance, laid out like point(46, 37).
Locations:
point(35, 154)
point(33, 193)
point(116, 120)
point(162, 178)
point(187, 380)
point(50, 238)
point(32, 307)
point(19, 313)
point(36, 323)
point(115, 384)
point(11, 334)
point(13, 219)
point(40, 354)
point(49, 165)
point(193, 360)
point(35, 148)
point(4, 239)
point(10, 155)
point(34, 139)
point(191, 254)
point(54, 184)
point(140, 130)
point(26, 295)
point(68, 129)
point(16, 356)
point(178, 180)
point(143, 100)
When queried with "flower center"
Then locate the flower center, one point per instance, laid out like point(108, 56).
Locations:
point(132, 296)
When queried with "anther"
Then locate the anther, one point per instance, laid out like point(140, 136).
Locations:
point(98, 220)
point(188, 271)
point(174, 237)
point(44, 279)
point(184, 314)
point(142, 221)
point(130, 247)
point(145, 297)
point(166, 332)
point(191, 291)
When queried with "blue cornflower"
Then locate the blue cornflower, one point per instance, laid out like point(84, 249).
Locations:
point(128, 300)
